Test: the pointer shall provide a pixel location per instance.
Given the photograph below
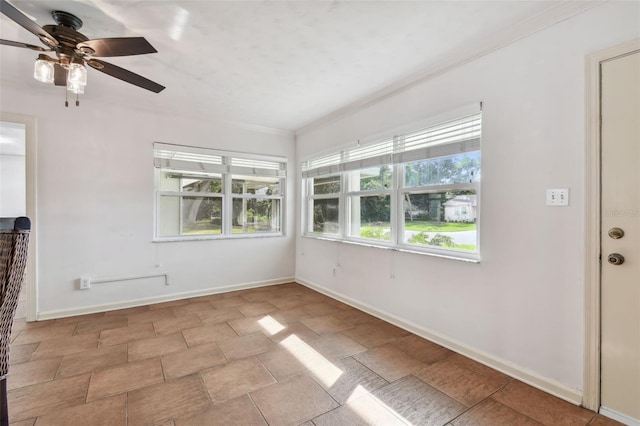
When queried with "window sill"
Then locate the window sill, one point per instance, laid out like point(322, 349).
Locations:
point(217, 237)
point(469, 258)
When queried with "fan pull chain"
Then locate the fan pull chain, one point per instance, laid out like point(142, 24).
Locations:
point(66, 98)
point(77, 100)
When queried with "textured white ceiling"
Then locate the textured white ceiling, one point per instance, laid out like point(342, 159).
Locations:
point(278, 64)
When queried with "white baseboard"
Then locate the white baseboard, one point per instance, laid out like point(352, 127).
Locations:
point(622, 418)
point(63, 313)
point(551, 386)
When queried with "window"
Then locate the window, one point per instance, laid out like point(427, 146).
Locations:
point(203, 193)
point(416, 191)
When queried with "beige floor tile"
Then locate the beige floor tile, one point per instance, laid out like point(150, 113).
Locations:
point(105, 412)
point(600, 420)
point(28, 422)
point(289, 315)
point(296, 329)
point(84, 362)
point(335, 346)
point(422, 349)
point(245, 346)
point(260, 294)
point(128, 311)
point(541, 406)
point(101, 323)
point(418, 403)
point(228, 302)
point(239, 411)
point(36, 400)
point(490, 413)
point(353, 378)
point(30, 373)
point(322, 351)
point(170, 304)
point(293, 401)
point(353, 317)
point(20, 324)
point(389, 362)
point(21, 353)
point(117, 336)
point(287, 302)
point(236, 378)
point(327, 324)
point(156, 346)
point(124, 378)
point(364, 411)
point(192, 360)
point(44, 333)
point(164, 401)
point(66, 345)
point(480, 368)
point(320, 309)
point(192, 308)
point(256, 308)
point(460, 383)
point(173, 325)
point(372, 334)
point(215, 316)
point(248, 325)
point(78, 318)
point(208, 334)
point(151, 315)
point(282, 364)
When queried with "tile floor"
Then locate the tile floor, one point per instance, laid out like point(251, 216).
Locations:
point(279, 355)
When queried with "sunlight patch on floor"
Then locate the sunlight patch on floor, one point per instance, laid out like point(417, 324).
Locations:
point(372, 410)
point(271, 325)
point(318, 365)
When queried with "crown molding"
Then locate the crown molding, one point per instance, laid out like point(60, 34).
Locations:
point(483, 46)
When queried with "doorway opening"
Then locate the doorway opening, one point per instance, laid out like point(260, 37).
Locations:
point(18, 194)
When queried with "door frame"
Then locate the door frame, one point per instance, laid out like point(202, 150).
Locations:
point(592, 271)
point(32, 211)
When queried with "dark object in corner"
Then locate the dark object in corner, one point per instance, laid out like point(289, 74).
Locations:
point(14, 243)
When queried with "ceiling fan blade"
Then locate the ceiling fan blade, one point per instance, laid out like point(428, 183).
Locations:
point(25, 45)
point(59, 75)
point(24, 21)
point(124, 46)
point(125, 75)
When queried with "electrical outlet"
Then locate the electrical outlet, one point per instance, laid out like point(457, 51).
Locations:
point(85, 282)
point(558, 197)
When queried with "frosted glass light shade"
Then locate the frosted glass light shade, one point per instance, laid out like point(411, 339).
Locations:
point(43, 71)
point(76, 88)
point(77, 74)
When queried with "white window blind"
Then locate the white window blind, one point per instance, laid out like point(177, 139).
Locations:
point(441, 140)
point(200, 160)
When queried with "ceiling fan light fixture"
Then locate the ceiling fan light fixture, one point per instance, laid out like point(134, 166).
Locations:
point(43, 71)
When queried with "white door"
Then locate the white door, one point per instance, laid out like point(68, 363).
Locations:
point(620, 239)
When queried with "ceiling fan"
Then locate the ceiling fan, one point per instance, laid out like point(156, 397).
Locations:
point(74, 50)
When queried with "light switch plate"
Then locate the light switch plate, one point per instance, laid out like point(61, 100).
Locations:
point(558, 197)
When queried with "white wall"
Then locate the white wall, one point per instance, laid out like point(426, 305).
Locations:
point(96, 202)
point(523, 304)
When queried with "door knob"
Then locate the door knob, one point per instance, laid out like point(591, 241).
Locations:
point(615, 259)
point(616, 233)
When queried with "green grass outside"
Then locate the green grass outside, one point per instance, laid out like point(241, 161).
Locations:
point(380, 230)
point(426, 226)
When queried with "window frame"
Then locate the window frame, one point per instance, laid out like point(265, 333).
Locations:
point(396, 192)
point(227, 171)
